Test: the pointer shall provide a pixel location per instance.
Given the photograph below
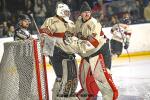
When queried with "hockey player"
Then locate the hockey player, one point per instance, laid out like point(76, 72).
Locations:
point(25, 72)
point(62, 55)
point(22, 32)
point(94, 50)
point(121, 34)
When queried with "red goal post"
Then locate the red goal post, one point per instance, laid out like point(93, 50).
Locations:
point(23, 74)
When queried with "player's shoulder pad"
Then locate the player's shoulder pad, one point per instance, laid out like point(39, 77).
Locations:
point(18, 30)
point(93, 21)
point(53, 19)
point(125, 26)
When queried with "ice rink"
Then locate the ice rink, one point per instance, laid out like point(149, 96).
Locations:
point(132, 78)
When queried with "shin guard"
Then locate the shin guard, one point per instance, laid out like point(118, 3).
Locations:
point(103, 78)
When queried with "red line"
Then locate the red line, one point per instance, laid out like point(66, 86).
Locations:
point(45, 74)
point(37, 69)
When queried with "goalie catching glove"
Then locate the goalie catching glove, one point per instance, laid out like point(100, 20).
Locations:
point(68, 38)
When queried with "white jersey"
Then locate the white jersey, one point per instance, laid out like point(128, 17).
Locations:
point(121, 32)
point(89, 28)
point(58, 26)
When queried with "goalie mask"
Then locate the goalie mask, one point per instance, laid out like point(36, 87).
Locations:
point(63, 10)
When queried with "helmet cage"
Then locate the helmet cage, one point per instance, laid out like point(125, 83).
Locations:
point(63, 10)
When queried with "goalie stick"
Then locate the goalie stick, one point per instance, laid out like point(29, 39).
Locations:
point(43, 57)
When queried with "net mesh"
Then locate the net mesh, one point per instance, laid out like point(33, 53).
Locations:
point(18, 72)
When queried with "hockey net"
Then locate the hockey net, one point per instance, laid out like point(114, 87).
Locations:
point(23, 72)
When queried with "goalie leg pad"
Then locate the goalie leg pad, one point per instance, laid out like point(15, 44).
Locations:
point(56, 88)
point(103, 79)
point(69, 79)
point(56, 61)
point(94, 77)
point(89, 87)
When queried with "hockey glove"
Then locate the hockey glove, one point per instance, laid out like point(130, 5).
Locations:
point(126, 45)
point(67, 37)
point(68, 34)
point(79, 35)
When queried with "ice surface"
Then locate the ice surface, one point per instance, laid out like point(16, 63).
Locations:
point(131, 78)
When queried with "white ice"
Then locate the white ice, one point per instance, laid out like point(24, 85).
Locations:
point(131, 78)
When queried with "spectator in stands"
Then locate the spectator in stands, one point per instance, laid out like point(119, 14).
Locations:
point(96, 7)
point(110, 10)
point(1, 30)
point(5, 28)
point(137, 9)
point(147, 12)
point(145, 2)
point(141, 8)
point(11, 31)
point(40, 12)
point(114, 20)
point(29, 6)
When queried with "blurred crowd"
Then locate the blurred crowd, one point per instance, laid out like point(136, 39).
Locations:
point(108, 12)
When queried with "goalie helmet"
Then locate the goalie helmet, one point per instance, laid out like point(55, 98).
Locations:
point(24, 17)
point(63, 10)
point(23, 21)
point(126, 21)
